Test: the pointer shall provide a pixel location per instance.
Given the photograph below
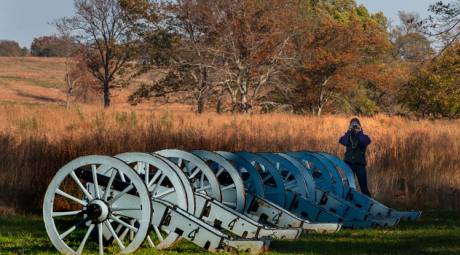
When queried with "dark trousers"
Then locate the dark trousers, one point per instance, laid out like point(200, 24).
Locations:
point(360, 172)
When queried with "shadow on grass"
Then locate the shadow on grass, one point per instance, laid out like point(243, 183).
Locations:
point(38, 97)
point(435, 233)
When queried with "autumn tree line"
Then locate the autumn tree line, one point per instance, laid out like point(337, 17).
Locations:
point(301, 56)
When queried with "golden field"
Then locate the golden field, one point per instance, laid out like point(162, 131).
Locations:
point(412, 164)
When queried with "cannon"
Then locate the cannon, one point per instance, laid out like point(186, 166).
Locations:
point(220, 201)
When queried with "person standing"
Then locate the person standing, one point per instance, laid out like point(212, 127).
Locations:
point(356, 143)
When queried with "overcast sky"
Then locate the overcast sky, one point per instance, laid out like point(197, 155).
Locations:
point(22, 20)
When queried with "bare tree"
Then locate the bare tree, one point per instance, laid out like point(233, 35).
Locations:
point(409, 38)
point(106, 36)
point(178, 41)
point(193, 22)
point(252, 40)
point(445, 22)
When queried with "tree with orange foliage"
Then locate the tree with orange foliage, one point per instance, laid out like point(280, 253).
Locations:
point(331, 51)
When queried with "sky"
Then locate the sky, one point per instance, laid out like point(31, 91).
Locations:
point(391, 7)
point(23, 20)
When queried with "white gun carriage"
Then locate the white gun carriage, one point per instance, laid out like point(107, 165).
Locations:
point(217, 200)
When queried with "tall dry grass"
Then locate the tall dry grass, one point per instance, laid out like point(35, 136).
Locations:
point(411, 163)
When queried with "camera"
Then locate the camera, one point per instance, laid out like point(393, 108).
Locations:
point(355, 128)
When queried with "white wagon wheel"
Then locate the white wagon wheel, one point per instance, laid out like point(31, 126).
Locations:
point(231, 184)
point(317, 169)
point(292, 178)
point(252, 180)
point(163, 183)
point(200, 176)
point(311, 185)
point(82, 204)
point(348, 177)
point(337, 179)
point(271, 179)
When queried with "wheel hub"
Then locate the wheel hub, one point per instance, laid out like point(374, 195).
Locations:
point(97, 211)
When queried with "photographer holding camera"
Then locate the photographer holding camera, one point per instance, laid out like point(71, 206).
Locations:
point(356, 143)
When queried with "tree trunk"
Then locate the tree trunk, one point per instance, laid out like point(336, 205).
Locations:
point(219, 105)
point(322, 99)
point(203, 90)
point(106, 94)
point(200, 105)
point(234, 101)
point(319, 111)
point(69, 91)
point(243, 83)
point(245, 107)
point(69, 84)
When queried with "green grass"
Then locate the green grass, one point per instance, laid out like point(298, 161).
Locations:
point(435, 233)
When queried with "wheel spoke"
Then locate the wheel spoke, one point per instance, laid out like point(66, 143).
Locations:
point(203, 188)
point(158, 233)
point(147, 172)
point(118, 220)
point(85, 191)
point(201, 180)
point(99, 238)
point(123, 235)
point(122, 177)
point(69, 213)
point(158, 184)
point(119, 227)
point(154, 178)
point(221, 170)
point(138, 167)
point(291, 184)
point(228, 187)
point(268, 177)
point(71, 229)
point(131, 233)
point(95, 181)
point(62, 193)
point(122, 193)
point(85, 238)
point(109, 185)
point(117, 209)
point(194, 173)
point(164, 193)
point(150, 242)
point(117, 239)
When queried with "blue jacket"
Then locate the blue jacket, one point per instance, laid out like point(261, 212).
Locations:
point(356, 147)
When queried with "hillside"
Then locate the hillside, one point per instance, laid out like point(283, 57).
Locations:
point(32, 80)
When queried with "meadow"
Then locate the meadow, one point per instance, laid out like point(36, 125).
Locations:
point(412, 164)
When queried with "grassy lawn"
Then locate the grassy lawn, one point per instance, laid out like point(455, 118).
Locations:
point(435, 233)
